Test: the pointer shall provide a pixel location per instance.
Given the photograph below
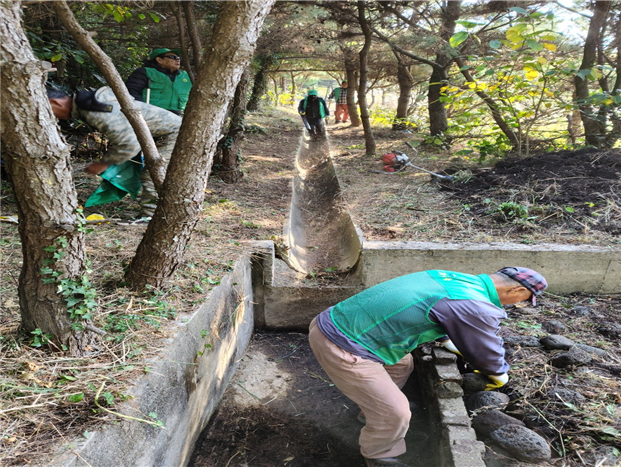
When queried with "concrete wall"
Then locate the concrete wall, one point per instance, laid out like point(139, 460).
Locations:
point(567, 268)
point(183, 387)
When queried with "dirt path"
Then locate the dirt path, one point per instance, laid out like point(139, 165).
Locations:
point(282, 409)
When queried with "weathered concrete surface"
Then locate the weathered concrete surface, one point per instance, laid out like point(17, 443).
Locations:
point(183, 387)
point(285, 302)
point(319, 232)
point(456, 439)
point(567, 268)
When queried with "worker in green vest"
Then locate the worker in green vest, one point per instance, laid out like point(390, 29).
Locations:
point(160, 82)
point(313, 110)
point(364, 343)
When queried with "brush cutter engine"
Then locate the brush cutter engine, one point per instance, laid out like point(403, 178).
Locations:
point(395, 161)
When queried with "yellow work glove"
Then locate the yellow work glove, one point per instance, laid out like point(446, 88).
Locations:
point(448, 345)
point(498, 381)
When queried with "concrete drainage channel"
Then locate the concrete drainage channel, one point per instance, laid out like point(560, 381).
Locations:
point(186, 384)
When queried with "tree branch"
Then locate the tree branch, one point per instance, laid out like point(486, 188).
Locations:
point(195, 38)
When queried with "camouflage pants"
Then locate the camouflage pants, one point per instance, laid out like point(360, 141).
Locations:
point(123, 144)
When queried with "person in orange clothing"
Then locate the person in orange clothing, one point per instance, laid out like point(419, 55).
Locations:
point(341, 114)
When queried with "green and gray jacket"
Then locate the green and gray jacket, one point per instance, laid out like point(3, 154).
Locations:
point(392, 318)
point(169, 90)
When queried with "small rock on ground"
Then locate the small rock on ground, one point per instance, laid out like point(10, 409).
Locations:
point(575, 356)
point(556, 342)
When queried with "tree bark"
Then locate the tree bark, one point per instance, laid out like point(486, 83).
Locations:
point(231, 149)
point(369, 140)
point(155, 164)
point(351, 67)
point(259, 88)
point(406, 83)
point(195, 38)
point(178, 11)
point(37, 162)
point(161, 250)
point(592, 128)
point(438, 122)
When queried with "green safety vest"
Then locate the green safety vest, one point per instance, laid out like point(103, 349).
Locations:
point(167, 94)
point(392, 318)
point(322, 111)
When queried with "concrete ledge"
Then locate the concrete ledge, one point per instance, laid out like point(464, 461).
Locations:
point(568, 269)
point(458, 446)
point(184, 387)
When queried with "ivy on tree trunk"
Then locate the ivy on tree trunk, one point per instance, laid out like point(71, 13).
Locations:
point(37, 161)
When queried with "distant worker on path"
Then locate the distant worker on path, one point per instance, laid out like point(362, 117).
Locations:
point(160, 82)
point(101, 110)
point(364, 343)
point(313, 110)
point(341, 114)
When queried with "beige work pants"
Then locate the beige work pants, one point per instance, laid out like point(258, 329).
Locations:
point(376, 388)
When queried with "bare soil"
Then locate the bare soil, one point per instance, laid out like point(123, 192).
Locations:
point(569, 197)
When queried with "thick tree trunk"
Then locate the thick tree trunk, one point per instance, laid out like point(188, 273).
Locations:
point(161, 250)
point(369, 140)
point(592, 128)
point(231, 146)
point(155, 164)
point(352, 108)
point(406, 83)
point(438, 122)
point(37, 161)
point(259, 87)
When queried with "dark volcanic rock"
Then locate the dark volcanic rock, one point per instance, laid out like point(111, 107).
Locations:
point(554, 327)
point(474, 382)
point(524, 341)
point(487, 400)
point(566, 395)
point(612, 330)
point(490, 420)
point(556, 342)
point(575, 356)
point(579, 311)
point(522, 443)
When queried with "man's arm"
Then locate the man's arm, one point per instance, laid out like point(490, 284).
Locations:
point(473, 326)
point(137, 82)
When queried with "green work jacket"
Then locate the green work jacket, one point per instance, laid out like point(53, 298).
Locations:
point(167, 94)
point(392, 318)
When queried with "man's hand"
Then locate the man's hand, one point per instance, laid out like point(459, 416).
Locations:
point(96, 168)
point(498, 381)
point(448, 345)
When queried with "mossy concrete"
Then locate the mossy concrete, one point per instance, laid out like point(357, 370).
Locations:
point(183, 387)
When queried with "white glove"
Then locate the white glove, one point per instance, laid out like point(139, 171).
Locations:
point(498, 381)
point(448, 345)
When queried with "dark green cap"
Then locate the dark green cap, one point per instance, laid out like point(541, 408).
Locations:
point(312, 92)
point(158, 52)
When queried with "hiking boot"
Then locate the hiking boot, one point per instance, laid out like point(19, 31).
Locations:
point(393, 461)
point(137, 221)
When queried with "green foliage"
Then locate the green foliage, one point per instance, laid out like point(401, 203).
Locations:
point(80, 296)
point(513, 211)
point(40, 338)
